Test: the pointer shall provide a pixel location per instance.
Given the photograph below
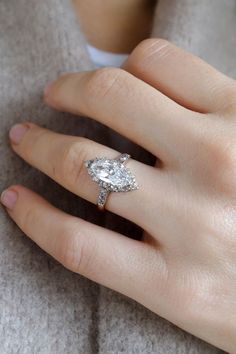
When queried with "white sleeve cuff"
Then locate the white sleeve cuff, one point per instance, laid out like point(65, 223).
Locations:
point(101, 58)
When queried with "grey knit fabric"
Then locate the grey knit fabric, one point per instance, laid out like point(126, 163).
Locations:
point(44, 308)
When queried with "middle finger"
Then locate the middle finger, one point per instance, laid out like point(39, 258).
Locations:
point(126, 104)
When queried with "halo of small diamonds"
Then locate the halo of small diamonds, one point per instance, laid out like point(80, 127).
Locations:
point(111, 174)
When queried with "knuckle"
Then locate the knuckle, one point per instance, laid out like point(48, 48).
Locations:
point(76, 252)
point(223, 155)
point(220, 162)
point(70, 167)
point(87, 263)
point(103, 83)
point(193, 295)
point(147, 49)
point(223, 93)
point(150, 44)
point(69, 252)
point(29, 219)
point(228, 94)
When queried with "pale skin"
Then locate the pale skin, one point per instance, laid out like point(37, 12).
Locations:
point(184, 112)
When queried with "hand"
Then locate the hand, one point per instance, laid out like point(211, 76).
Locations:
point(183, 111)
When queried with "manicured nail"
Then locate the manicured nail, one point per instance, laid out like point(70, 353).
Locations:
point(17, 132)
point(9, 198)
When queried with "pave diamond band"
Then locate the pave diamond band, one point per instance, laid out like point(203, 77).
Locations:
point(111, 175)
point(102, 198)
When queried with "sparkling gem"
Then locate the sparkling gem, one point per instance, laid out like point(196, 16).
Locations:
point(111, 174)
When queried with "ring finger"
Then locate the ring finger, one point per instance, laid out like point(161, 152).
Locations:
point(62, 158)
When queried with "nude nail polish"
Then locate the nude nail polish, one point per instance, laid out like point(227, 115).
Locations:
point(17, 133)
point(9, 198)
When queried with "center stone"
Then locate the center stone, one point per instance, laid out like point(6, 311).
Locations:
point(111, 174)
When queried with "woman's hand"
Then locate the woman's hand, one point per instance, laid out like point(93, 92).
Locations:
point(183, 111)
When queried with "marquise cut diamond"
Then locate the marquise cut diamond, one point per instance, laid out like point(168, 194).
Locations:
point(112, 175)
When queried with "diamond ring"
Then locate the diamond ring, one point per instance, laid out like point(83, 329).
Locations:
point(111, 175)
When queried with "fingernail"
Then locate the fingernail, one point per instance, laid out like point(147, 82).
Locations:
point(9, 198)
point(17, 132)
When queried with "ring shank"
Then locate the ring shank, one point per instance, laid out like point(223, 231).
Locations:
point(102, 198)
